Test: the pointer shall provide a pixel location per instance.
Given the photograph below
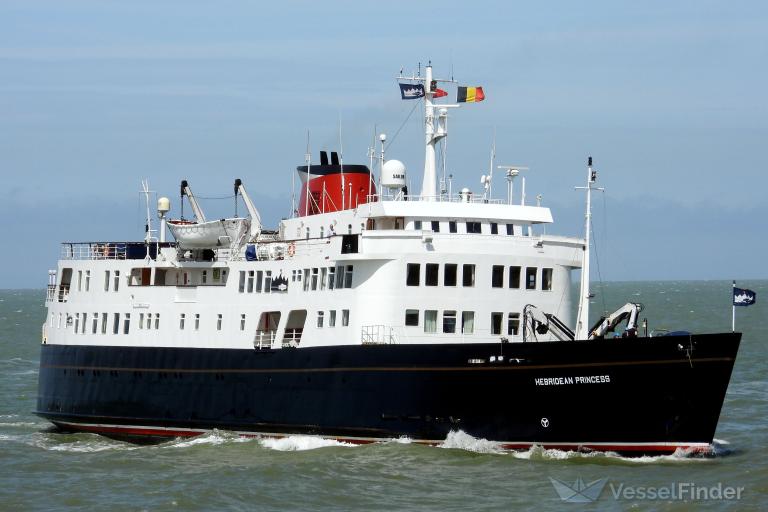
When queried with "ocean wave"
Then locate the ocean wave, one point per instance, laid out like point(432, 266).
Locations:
point(460, 440)
point(300, 443)
point(214, 438)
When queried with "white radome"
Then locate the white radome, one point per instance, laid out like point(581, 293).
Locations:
point(393, 174)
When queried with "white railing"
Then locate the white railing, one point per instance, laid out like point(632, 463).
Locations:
point(378, 335)
point(445, 198)
point(93, 251)
point(292, 337)
point(264, 339)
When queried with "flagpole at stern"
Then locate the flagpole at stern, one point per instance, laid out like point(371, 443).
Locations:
point(733, 309)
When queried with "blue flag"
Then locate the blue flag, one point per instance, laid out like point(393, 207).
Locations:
point(411, 91)
point(743, 297)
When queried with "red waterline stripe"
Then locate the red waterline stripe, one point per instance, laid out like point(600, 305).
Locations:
point(659, 448)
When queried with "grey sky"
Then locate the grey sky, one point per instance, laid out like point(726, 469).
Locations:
point(669, 97)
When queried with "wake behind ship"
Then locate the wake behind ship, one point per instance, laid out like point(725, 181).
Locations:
point(369, 314)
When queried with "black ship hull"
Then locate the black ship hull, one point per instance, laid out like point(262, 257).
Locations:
point(640, 395)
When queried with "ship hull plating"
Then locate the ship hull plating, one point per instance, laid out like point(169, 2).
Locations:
point(628, 395)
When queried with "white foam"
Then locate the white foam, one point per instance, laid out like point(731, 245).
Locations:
point(462, 441)
point(214, 437)
point(300, 443)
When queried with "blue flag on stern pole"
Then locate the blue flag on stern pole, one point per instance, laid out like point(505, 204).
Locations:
point(411, 91)
point(743, 297)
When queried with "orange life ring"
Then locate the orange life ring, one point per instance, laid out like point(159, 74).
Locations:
point(291, 249)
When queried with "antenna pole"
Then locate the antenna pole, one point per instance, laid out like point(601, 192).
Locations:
point(582, 318)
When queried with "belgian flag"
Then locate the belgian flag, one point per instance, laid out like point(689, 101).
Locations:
point(470, 94)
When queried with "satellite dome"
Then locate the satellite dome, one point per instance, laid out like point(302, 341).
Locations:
point(393, 174)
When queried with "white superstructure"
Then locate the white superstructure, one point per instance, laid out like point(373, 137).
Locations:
point(427, 268)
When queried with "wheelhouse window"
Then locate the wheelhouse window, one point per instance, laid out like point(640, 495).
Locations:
point(514, 277)
point(417, 225)
point(467, 322)
point(530, 278)
point(412, 317)
point(513, 324)
point(436, 226)
point(450, 271)
point(449, 322)
point(494, 228)
point(473, 227)
point(497, 276)
point(430, 320)
point(468, 275)
point(546, 279)
point(496, 319)
point(413, 274)
point(431, 274)
point(510, 229)
point(452, 226)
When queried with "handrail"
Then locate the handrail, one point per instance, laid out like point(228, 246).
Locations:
point(378, 335)
point(470, 198)
point(263, 339)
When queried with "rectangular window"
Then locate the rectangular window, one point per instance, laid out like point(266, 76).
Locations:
point(79, 280)
point(241, 284)
point(219, 320)
point(315, 275)
point(332, 318)
point(449, 322)
point(323, 277)
point(530, 278)
point(182, 321)
point(468, 275)
point(259, 280)
point(413, 276)
point(430, 320)
point(104, 323)
point(141, 320)
point(412, 317)
point(117, 281)
point(348, 276)
point(157, 321)
point(452, 226)
point(331, 277)
point(197, 321)
point(450, 270)
point(85, 322)
point(242, 321)
point(77, 323)
point(106, 280)
point(268, 281)
point(497, 276)
point(513, 324)
point(126, 323)
point(344, 317)
point(496, 319)
point(116, 323)
point(251, 275)
point(546, 279)
point(87, 280)
point(205, 277)
point(339, 277)
point(494, 228)
point(514, 277)
point(436, 226)
point(417, 225)
point(320, 318)
point(431, 274)
point(510, 229)
point(306, 279)
point(149, 321)
point(467, 322)
point(473, 227)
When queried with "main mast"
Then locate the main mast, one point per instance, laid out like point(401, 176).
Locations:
point(432, 133)
point(582, 318)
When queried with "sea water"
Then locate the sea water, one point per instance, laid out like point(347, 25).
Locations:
point(44, 470)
